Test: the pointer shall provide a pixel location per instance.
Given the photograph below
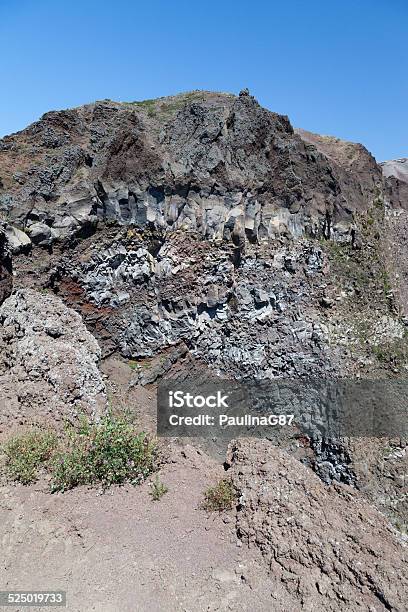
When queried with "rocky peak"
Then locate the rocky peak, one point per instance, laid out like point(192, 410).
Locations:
point(217, 164)
point(202, 232)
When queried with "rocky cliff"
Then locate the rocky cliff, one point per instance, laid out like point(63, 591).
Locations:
point(396, 172)
point(202, 234)
point(217, 164)
point(201, 217)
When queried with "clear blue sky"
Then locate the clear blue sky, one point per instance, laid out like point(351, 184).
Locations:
point(334, 66)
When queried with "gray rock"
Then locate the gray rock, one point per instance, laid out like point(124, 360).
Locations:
point(397, 168)
point(41, 234)
point(18, 240)
point(219, 165)
point(49, 372)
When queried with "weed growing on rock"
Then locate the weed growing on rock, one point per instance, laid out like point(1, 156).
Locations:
point(25, 453)
point(220, 497)
point(133, 365)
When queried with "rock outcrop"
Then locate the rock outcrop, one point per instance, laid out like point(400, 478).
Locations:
point(354, 168)
point(204, 229)
point(397, 168)
point(396, 173)
point(48, 362)
point(217, 164)
point(6, 279)
point(326, 546)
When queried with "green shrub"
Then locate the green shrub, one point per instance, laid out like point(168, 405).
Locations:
point(158, 489)
point(25, 453)
point(110, 452)
point(220, 497)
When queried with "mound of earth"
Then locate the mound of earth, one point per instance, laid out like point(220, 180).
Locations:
point(326, 546)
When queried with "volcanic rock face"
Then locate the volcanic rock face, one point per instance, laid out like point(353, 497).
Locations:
point(204, 229)
point(204, 221)
point(254, 320)
point(6, 282)
point(353, 167)
point(397, 168)
point(212, 163)
point(48, 362)
point(321, 543)
point(226, 204)
point(396, 173)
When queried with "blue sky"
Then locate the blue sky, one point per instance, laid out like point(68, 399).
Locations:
point(334, 66)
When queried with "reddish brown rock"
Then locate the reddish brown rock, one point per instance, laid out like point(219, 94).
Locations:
point(325, 544)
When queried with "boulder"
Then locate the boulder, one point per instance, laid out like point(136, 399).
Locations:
point(41, 234)
point(48, 363)
point(18, 240)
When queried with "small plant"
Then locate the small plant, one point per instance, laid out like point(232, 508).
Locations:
point(110, 452)
point(394, 354)
point(401, 527)
point(220, 497)
point(104, 453)
point(148, 105)
point(158, 490)
point(25, 453)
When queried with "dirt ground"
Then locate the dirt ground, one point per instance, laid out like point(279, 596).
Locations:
point(121, 551)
